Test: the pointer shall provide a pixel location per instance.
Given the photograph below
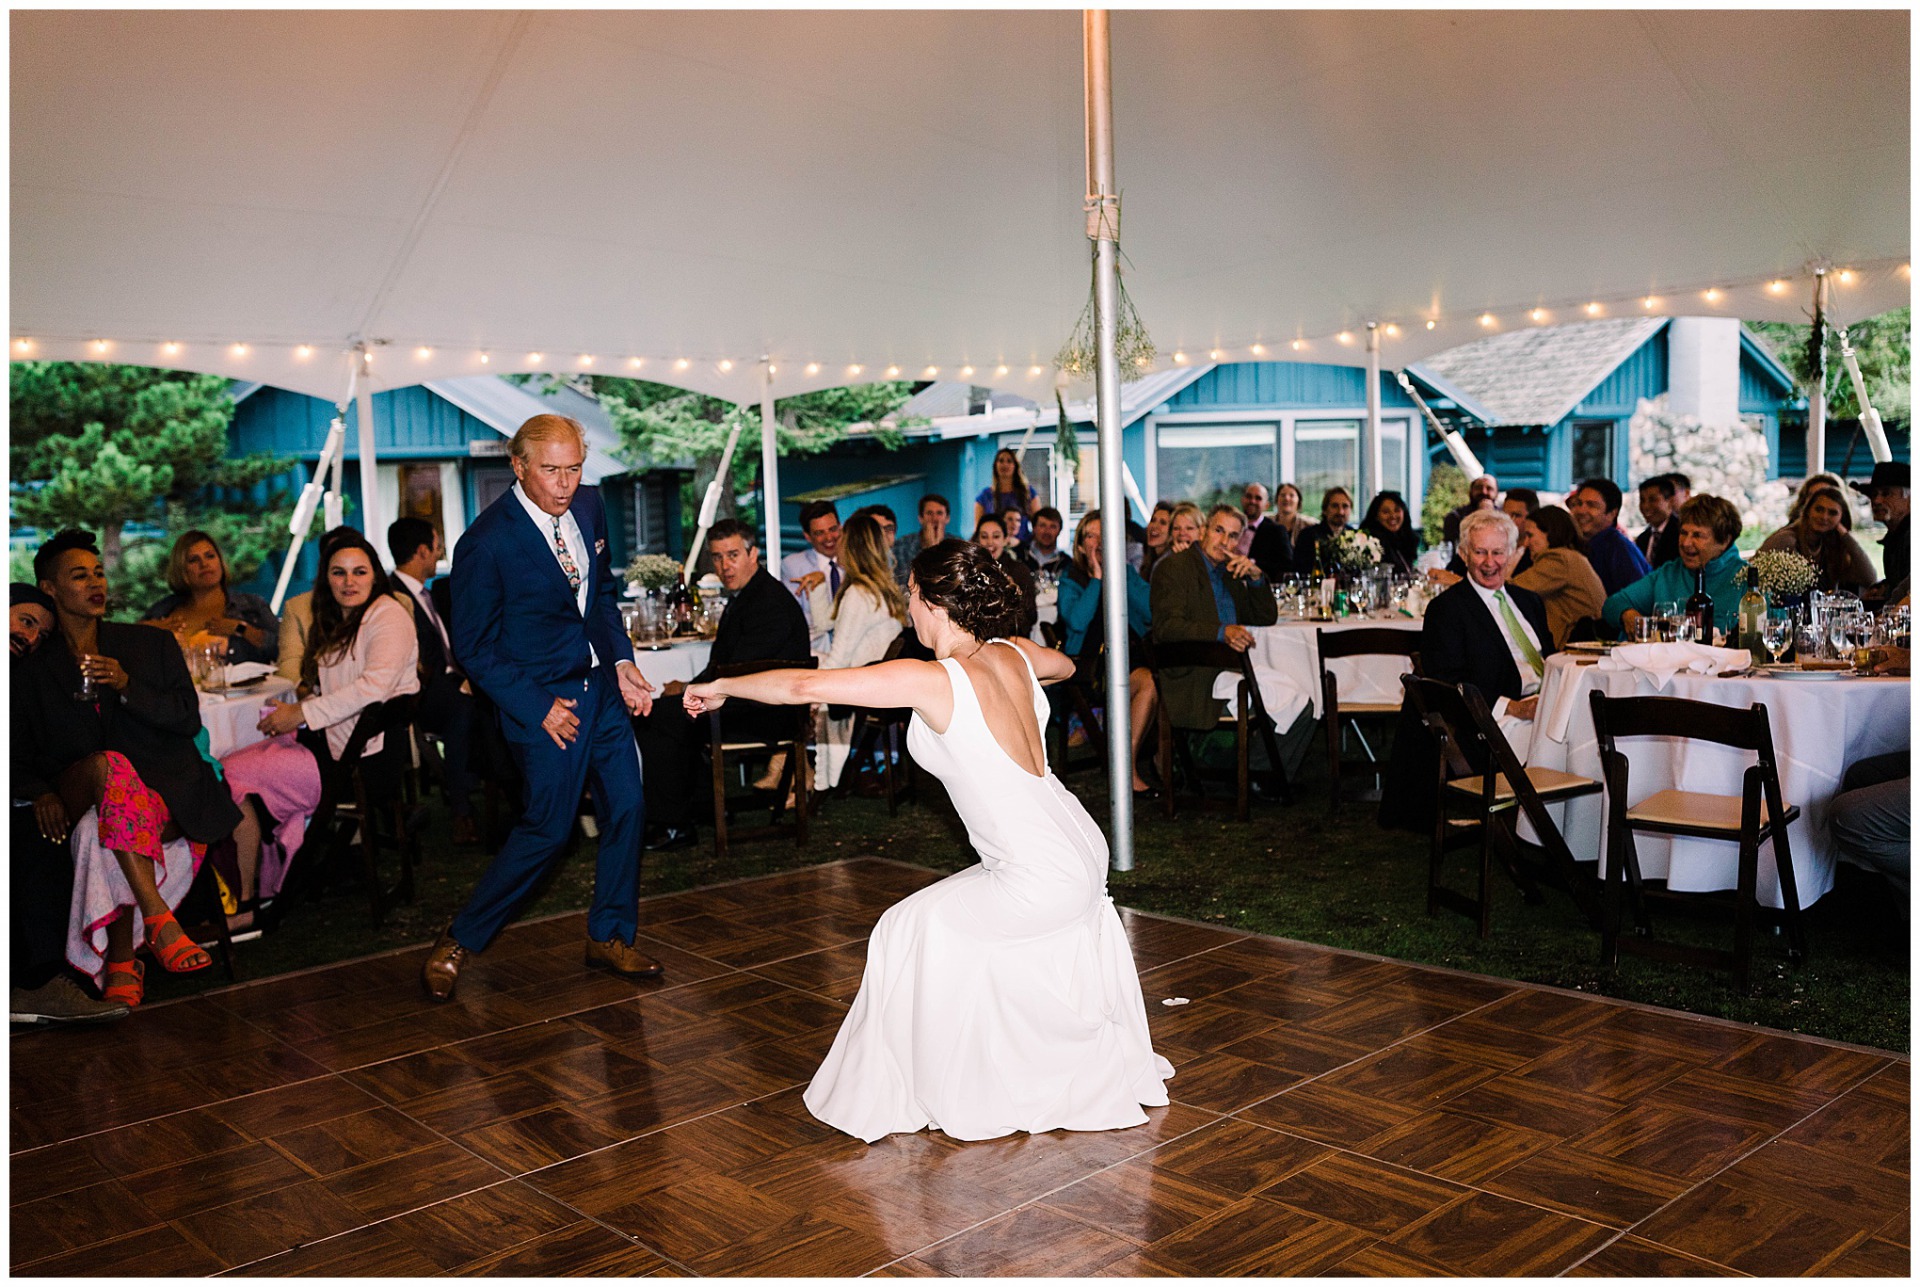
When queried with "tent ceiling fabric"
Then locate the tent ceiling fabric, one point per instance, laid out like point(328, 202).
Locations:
point(878, 188)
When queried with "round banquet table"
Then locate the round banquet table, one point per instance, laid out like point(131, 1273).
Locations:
point(662, 661)
point(1288, 649)
point(1819, 728)
point(230, 715)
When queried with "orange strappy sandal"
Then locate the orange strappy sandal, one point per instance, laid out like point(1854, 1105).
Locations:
point(126, 983)
point(179, 954)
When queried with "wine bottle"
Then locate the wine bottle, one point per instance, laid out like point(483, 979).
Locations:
point(1753, 619)
point(1699, 608)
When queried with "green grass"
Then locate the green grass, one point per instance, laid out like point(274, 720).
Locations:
point(1291, 871)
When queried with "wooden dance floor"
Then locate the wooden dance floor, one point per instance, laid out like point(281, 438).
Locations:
point(1333, 1113)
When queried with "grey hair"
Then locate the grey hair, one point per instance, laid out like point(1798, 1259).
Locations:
point(1479, 518)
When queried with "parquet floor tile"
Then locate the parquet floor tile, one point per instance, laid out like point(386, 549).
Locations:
point(1332, 1113)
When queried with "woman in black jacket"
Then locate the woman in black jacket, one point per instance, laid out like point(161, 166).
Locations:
point(126, 751)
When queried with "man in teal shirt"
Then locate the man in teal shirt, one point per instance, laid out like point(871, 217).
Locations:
point(1709, 526)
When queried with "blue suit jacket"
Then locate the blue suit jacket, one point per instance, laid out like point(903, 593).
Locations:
point(515, 629)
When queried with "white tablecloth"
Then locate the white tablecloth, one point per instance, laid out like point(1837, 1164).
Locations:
point(1288, 651)
point(1819, 728)
point(230, 717)
point(681, 660)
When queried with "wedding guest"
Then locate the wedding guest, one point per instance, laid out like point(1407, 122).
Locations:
point(1817, 535)
point(866, 616)
point(1310, 547)
point(202, 609)
point(1595, 507)
point(1888, 492)
point(1184, 527)
point(1559, 572)
point(934, 512)
point(1390, 522)
point(1481, 631)
point(447, 704)
point(1159, 538)
point(29, 618)
point(1709, 526)
point(1871, 820)
point(1253, 504)
point(990, 534)
point(1481, 494)
point(1009, 490)
point(1015, 524)
point(296, 613)
point(762, 623)
point(1682, 488)
point(1659, 540)
point(1806, 491)
point(1518, 503)
point(1083, 624)
point(1043, 553)
point(1266, 541)
point(820, 524)
point(128, 754)
point(883, 515)
point(1287, 505)
point(362, 649)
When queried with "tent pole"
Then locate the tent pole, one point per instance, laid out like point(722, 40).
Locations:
point(1817, 395)
point(769, 469)
point(370, 525)
point(1103, 229)
point(710, 503)
point(1376, 478)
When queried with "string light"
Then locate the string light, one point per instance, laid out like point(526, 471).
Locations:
point(726, 364)
point(1258, 350)
point(772, 369)
point(1143, 361)
point(1846, 276)
point(813, 368)
point(1033, 371)
point(1650, 303)
point(484, 359)
point(1776, 287)
point(966, 371)
point(1345, 337)
point(586, 359)
point(1593, 309)
point(1001, 369)
point(1393, 331)
point(1213, 355)
point(1431, 323)
point(855, 369)
point(1180, 359)
point(536, 358)
point(1711, 294)
point(636, 363)
point(1298, 345)
point(892, 372)
point(239, 350)
point(423, 353)
point(1489, 321)
point(101, 346)
point(682, 365)
point(930, 372)
point(23, 345)
point(305, 351)
point(1538, 314)
point(170, 348)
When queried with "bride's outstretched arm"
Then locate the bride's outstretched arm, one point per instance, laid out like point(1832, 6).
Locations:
point(922, 685)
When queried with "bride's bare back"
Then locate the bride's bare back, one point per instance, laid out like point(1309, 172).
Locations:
point(1004, 687)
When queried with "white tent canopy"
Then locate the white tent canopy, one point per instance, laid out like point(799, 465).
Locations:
point(678, 195)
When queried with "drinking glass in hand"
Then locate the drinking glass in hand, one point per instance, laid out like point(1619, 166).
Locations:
point(88, 690)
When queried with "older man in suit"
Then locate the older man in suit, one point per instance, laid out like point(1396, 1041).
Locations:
point(762, 623)
point(539, 632)
point(1481, 631)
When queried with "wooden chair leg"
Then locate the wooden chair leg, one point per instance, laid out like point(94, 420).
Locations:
point(1330, 724)
point(1167, 774)
point(888, 772)
point(802, 791)
point(1746, 896)
point(719, 763)
point(1243, 757)
point(369, 853)
point(1486, 875)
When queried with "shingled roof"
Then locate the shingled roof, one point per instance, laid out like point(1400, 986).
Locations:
point(1536, 376)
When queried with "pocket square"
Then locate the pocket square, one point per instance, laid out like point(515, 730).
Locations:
point(600, 546)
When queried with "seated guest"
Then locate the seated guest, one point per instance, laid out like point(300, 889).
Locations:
point(762, 623)
point(202, 609)
point(1481, 631)
point(1267, 542)
point(40, 871)
point(1806, 491)
point(1184, 527)
point(1872, 820)
point(1287, 504)
point(883, 515)
point(1519, 503)
point(1559, 572)
point(1389, 522)
point(29, 618)
point(1253, 504)
point(1336, 515)
point(1708, 528)
point(1044, 553)
point(1682, 488)
point(447, 704)
point(1595, 507)
point(1481, 493)
point(1207, 592)
point(991, 535)
point(934, 512)
point(1659, 541)
point(820, 524)
point(1083, 624)
point(1818, 536)
point(296, 615)
point(1159, 539)
point(126, 753)
point(361, 650)
point(1887, 491)
point(865, 617)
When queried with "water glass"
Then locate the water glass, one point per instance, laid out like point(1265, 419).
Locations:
point(1776, 630)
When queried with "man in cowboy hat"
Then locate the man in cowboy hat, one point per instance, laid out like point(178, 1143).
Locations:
point(1888, 492)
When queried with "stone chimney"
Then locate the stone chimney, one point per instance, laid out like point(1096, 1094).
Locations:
point(1703, 369)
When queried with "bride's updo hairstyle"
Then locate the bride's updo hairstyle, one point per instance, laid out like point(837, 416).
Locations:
point(979, 595)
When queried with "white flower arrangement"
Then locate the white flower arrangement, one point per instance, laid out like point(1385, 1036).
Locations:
point(653, 571)
point(1352, 550)
point(1784, 573)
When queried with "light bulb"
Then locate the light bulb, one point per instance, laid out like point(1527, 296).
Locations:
point(1711, 294)
point(1846, 276)
point(1488, 320)
point(1001, 369)
point(1538, 314)
point(892, 371)
point(1141, 361)
point(101, 346)
point(423, 353)
point(1776, 287)
point(813, 368)
point(485, 360)
point(1213, 355)
point(682, 364)
point(536, 358)
point(304, 352)
point(1034, 370)
point(966, 370)
point(854, 369)
point(170, 348)
point(1593, 309)
point(1180, 359)
point(1258, 350)
point(1345, 337)
point(23, 345)
point(1650, 303)
point(1431, 323)
point(1298, 345)
point(930, 372)
point(726, 364)
point(240, 350)
point(636, 363)
point(1392, 330)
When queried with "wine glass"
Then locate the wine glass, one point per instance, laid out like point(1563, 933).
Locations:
point(1776, 630)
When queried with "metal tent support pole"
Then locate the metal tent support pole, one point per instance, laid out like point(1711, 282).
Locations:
point(710, 503)
point(1817, 395)
point(1103, 229)
point(769, 469)
point(327, 468)
point(1376, 480)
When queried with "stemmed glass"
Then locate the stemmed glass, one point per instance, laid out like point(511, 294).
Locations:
point(1776, 631)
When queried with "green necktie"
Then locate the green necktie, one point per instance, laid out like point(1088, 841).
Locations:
point(1519, 636)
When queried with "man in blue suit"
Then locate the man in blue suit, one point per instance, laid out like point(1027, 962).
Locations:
point(537, 627)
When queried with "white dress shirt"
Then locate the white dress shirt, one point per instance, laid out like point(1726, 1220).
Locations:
point(422, 598)
point(576, 546)
point(1519, 732)
point(792, 568)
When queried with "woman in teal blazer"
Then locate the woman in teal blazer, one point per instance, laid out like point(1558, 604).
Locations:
point(1080, 599)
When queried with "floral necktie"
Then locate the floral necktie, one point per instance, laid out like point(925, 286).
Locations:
point(567, 564)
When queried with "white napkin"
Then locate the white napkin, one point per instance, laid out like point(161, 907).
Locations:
point(241, 672)
point(1660, 662)
point(1283, 700)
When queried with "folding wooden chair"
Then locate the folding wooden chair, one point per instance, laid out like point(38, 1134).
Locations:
point(1754, 817)
point(1337, 715)
point(878, 735)
point(796, 777)
point(1248, 719)
point(1479, 772)
point(1078, 696)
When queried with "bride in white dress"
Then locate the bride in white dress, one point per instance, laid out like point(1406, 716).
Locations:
point(1004, 998)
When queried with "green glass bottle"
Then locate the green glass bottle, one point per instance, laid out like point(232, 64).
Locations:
point(1753, 619)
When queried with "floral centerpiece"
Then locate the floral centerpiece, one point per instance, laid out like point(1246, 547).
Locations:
point(1351, 550)
point(1783, 574)
point(653, 571)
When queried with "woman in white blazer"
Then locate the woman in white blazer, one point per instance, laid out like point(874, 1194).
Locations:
point(866, 616)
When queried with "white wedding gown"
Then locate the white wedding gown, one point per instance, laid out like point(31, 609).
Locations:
point(1004, 998)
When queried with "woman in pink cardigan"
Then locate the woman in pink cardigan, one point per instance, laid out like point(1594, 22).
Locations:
point(361, 650)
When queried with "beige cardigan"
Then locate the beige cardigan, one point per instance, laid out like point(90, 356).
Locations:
point(383, 662)
point(1569, 587)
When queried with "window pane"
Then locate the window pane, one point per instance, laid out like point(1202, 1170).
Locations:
point(1393, 456)
point(1326, 454)
point(1592, 449)
point(1212, 464)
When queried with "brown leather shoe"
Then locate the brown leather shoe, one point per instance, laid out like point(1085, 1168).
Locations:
point(622, 958)
point(442, 969)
